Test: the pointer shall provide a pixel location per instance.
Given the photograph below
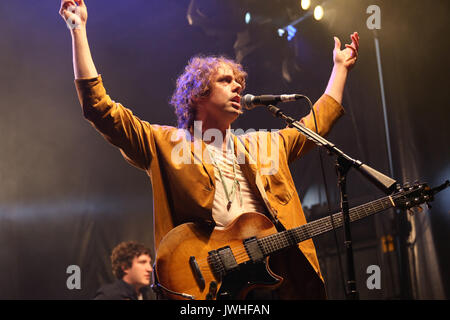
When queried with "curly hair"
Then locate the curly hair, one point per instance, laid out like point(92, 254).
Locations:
point(195, 82)
point(123, 254)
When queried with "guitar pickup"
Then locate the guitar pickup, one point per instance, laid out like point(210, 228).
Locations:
point(253, 249)
point(222, 261)
point(228, 261)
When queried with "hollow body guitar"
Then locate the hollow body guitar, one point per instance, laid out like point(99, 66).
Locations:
point(194, 262)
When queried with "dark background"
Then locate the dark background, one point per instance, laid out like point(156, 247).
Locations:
point(67, 197)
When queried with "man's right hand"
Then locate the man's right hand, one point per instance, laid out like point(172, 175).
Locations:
point(74, 13)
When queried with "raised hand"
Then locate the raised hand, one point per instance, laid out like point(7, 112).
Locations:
point(74, 12)
point(348, 56)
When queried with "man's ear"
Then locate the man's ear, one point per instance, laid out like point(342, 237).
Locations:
point(201, 97)
point(197, 99)
point(125, 269)
point(197, 102)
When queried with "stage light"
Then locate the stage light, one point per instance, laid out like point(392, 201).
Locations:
point(248, 17)
point(305, 4)
point(291, 32)
point(318, 13)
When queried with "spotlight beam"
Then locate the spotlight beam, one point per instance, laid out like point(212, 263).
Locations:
point(293, 23)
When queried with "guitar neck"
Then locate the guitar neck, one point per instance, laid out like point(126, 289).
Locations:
point(282, 240)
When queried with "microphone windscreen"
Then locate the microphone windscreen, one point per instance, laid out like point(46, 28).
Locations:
point(246, 101)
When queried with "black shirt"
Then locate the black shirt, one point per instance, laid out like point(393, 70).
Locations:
point(120, 290)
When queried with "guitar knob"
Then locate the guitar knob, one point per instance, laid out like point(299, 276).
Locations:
point(212, 291)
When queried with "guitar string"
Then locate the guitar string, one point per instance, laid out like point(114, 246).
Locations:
point(316, 227)
point(237, 252)
point(273, 246)
point(319, 226)
point(237, 255)
point(357, 212)
point(241, 254)
point(239, 259)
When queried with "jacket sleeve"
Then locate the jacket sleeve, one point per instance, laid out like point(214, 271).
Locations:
point(327, 111)
point(116, 123)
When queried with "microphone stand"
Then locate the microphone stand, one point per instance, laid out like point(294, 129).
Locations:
point(343, 164)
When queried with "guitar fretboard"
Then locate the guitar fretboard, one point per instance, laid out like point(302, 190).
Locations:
point(282, 240)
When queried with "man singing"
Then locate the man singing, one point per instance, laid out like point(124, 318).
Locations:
point(214, 181)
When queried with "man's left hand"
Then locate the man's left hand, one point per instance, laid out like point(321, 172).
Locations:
point(349, 55)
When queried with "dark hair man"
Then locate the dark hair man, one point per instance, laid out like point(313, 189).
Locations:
point(131, 265)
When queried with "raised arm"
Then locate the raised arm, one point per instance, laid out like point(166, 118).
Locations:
point(116, 123)
point(344, 60)
point(74, 13)
point(328, 108)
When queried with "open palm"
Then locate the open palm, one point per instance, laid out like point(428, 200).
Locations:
point(347, 56)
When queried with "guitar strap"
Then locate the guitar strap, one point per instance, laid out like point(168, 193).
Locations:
point(278, 225)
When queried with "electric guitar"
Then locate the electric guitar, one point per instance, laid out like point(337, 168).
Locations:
point(196, 263)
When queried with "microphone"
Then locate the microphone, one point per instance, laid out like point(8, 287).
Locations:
point(250, 101)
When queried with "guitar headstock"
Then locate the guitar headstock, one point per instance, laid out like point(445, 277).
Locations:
point(407, 196)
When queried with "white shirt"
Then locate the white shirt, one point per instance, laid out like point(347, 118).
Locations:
point(221, 212)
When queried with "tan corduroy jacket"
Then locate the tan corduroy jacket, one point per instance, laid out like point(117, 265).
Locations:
point(183, 191)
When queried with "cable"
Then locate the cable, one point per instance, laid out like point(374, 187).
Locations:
point(159, 286)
